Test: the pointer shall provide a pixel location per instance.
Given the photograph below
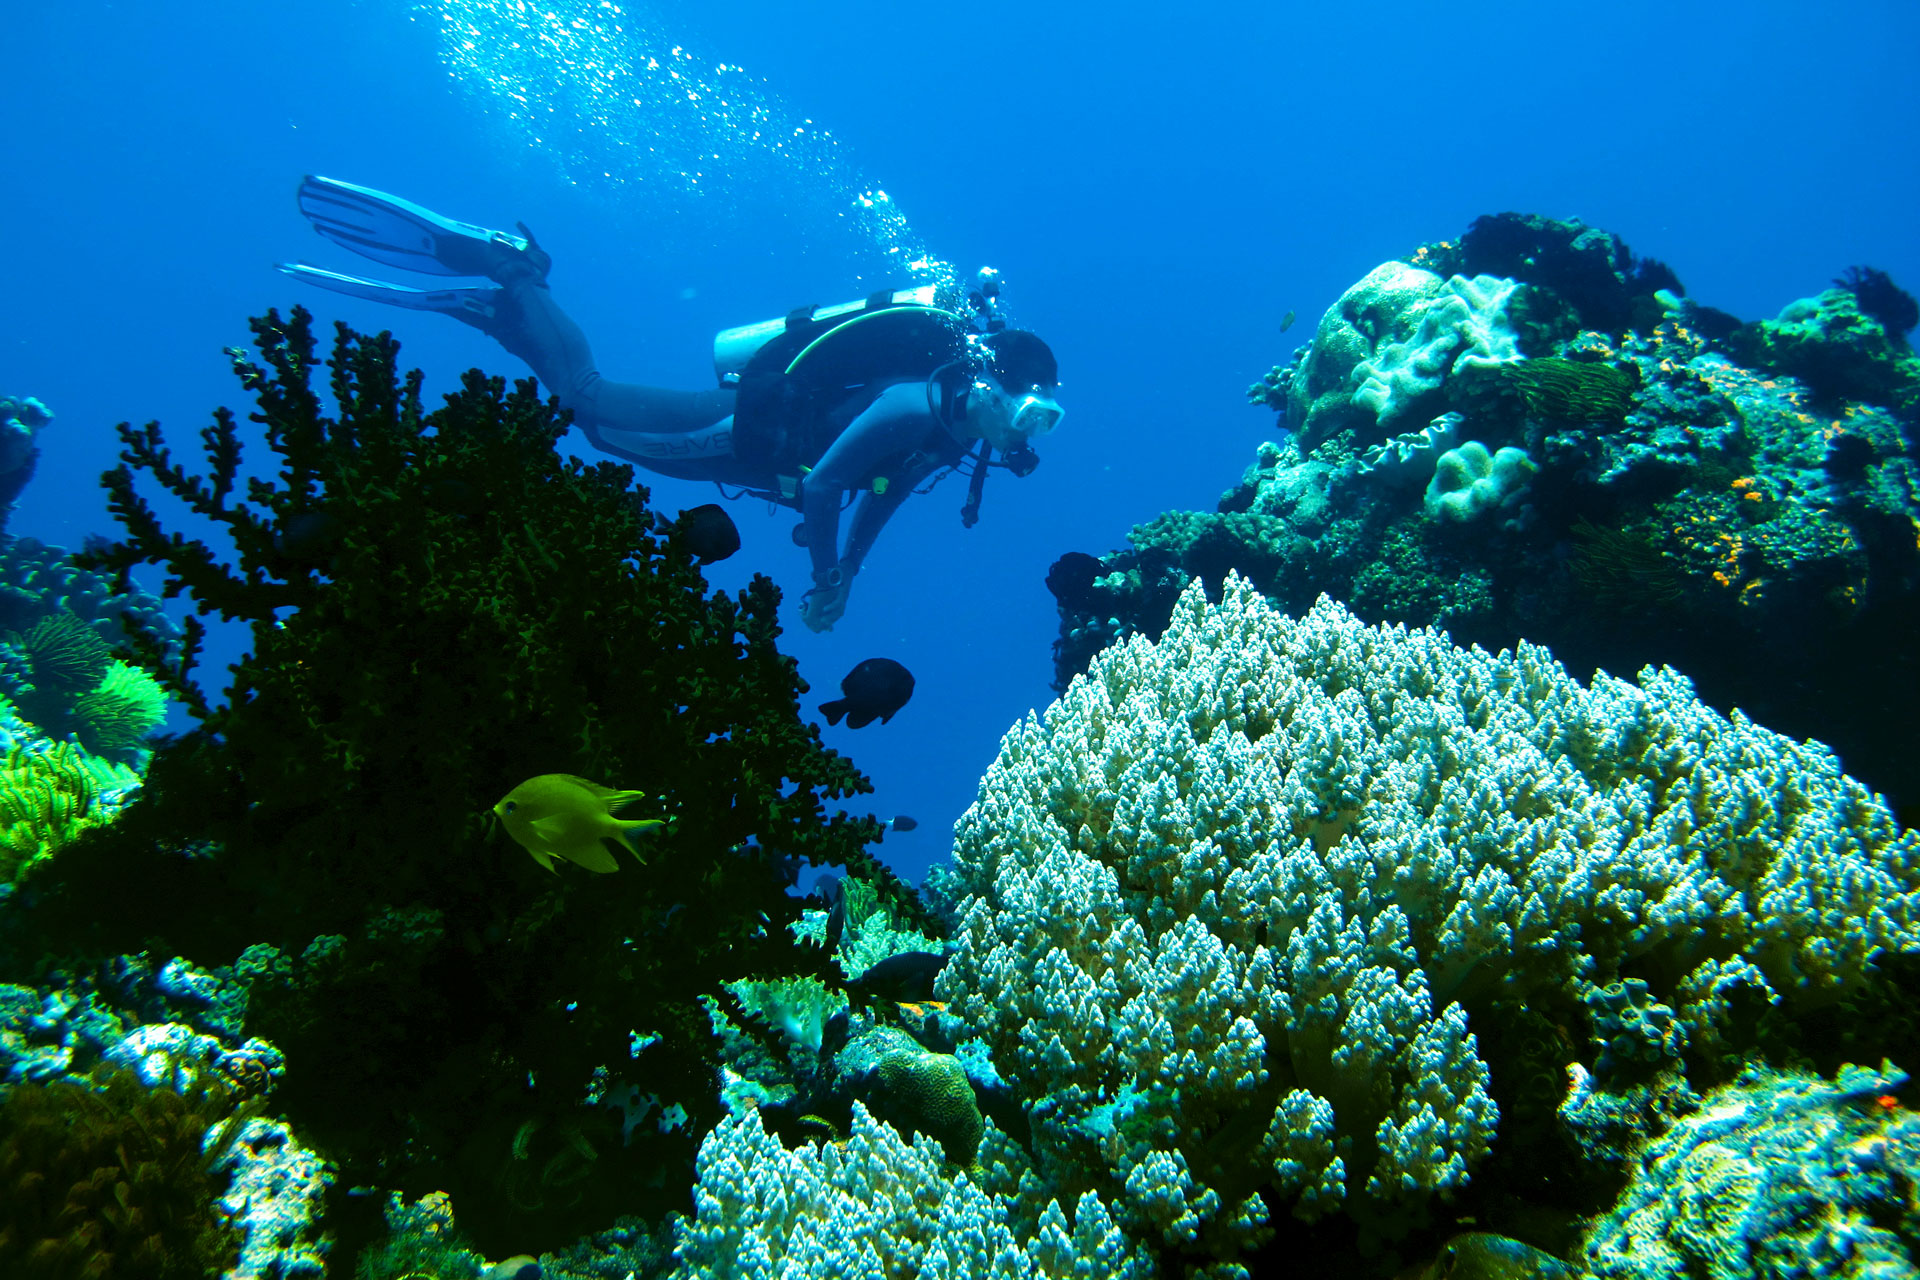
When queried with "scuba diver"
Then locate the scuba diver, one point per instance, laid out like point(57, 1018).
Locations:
point(868, 400)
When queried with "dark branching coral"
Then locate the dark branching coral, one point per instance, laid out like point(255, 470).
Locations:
point(441, 608)
point(111, 1184)
point(1591, 269)
point(1878, 296)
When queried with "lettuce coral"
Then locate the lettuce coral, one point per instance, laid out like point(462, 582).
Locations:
point(1253, 879)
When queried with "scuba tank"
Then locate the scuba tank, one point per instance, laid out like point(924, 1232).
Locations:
point(798, 379)
point(788, 373)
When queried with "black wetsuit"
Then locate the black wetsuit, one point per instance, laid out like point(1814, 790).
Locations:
point(892, 431)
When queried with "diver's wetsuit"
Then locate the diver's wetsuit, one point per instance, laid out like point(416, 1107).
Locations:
point(690, 435)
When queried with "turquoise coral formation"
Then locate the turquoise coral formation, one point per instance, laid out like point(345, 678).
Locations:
point(1738, 501)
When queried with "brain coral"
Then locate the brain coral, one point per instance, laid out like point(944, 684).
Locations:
point(1224, 909)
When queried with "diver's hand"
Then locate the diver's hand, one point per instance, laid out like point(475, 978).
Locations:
point(823, 605)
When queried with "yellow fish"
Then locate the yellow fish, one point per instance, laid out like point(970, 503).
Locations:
point(559, 815)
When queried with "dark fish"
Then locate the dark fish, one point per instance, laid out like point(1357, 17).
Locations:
point(876, 688)
point(833, 894)
point(1286, 322)
point(310, 537)
point(907, 977)
point(902, 822)
point(709, 532)
point(1071, 580)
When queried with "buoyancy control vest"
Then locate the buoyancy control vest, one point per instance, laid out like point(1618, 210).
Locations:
point(802, 379)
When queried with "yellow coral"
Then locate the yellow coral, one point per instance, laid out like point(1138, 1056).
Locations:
point(48, 797)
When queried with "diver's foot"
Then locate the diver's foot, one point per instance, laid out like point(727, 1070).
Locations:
point(403, 234)
point(476, 305)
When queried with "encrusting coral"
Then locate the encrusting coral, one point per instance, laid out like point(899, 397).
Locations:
point(440, 608)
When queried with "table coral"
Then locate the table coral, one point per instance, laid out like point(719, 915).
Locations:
point(1255, 875)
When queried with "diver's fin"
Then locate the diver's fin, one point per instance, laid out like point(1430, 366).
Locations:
point(401, 233)
point(474, 304)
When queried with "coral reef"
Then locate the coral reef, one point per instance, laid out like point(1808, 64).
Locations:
point(1257, 909)
point(38, 581)
point(881, 1206)
point(62, 676)
point(1840, 350)
point(440, 608)
point(49, 795)
point(1740, 501)
point(1387, 346)
point(1469, 483)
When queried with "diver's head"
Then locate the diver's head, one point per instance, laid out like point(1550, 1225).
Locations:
point(1013, 394)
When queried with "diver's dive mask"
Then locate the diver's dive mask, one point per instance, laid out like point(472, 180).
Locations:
point(1036, 413)
point(1010, 421)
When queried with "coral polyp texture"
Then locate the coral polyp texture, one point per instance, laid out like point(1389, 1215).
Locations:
point(1236, 906)
point(880, 1206)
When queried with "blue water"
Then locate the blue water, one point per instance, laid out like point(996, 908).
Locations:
point(1159, 186)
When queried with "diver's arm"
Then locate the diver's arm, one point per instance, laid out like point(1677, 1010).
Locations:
point(870, 515)
point(894, 424)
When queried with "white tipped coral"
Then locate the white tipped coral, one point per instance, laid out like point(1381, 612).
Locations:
point(1260, 869)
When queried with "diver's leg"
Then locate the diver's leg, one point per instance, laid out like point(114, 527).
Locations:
point(627, 418)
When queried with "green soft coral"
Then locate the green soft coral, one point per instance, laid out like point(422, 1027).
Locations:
point(61, 676)
point(120, 711)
